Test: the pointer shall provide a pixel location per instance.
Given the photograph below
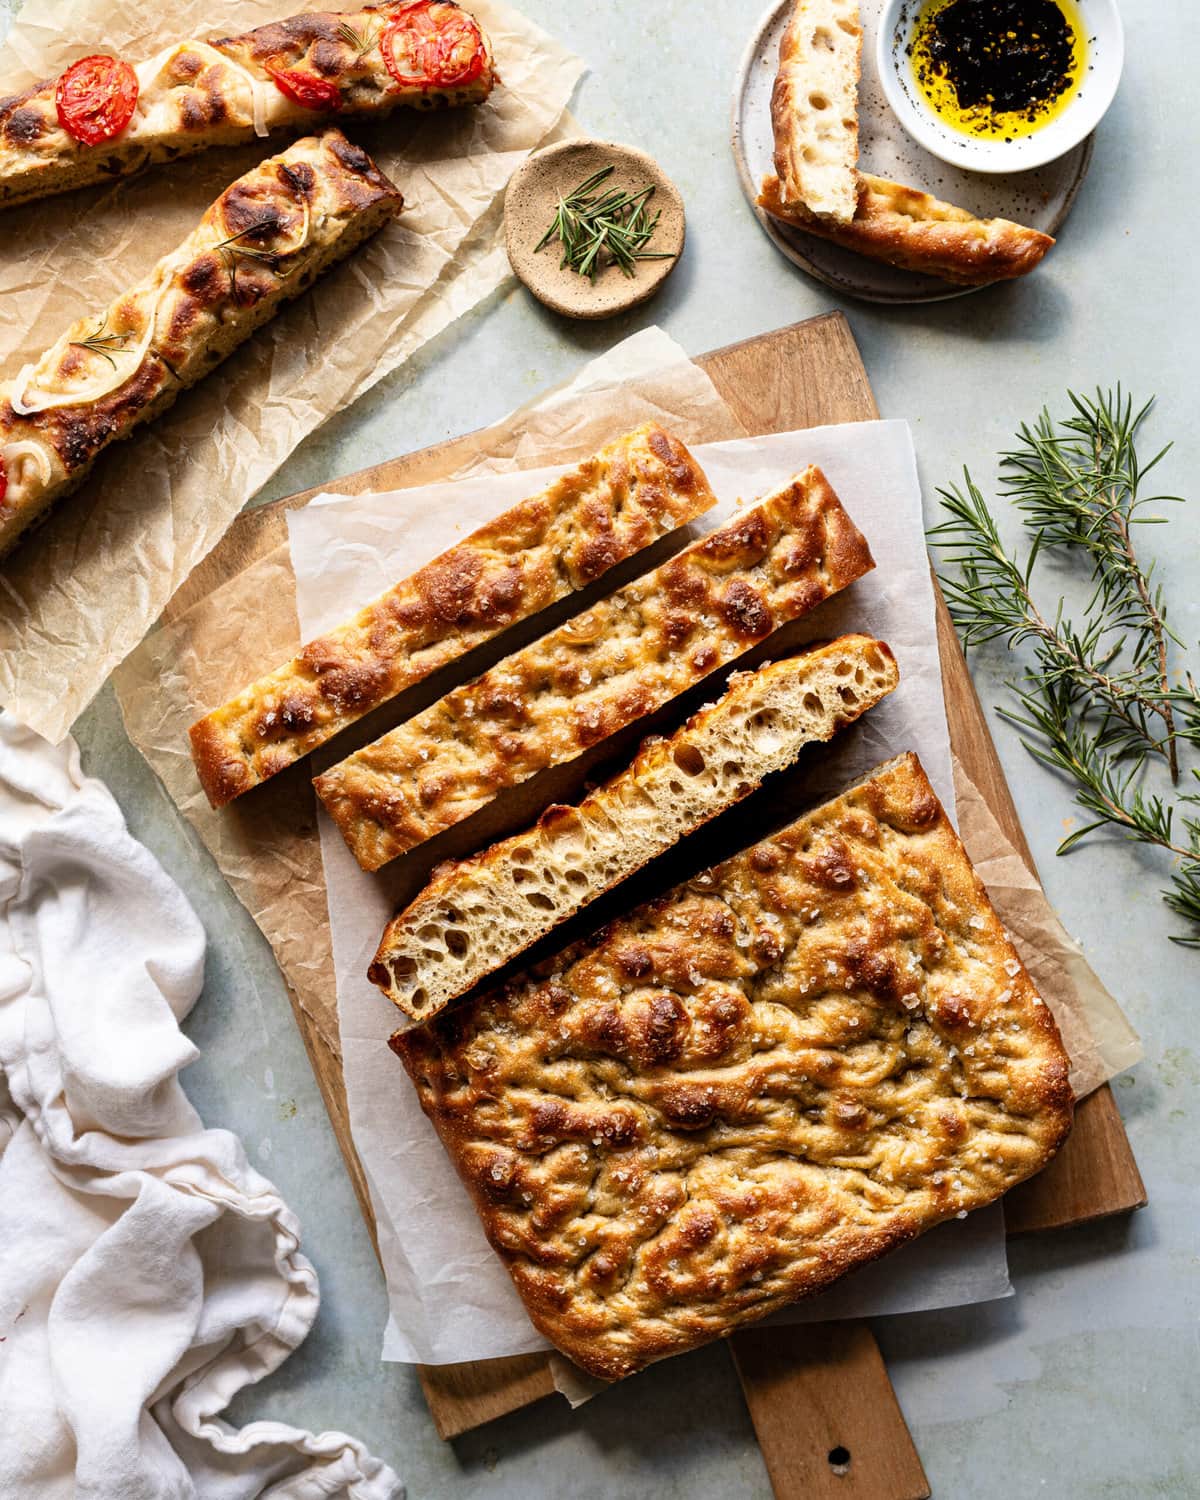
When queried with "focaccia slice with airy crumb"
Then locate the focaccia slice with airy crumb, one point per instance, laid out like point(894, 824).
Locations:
point(772, 1075)
point(265, 240)
point(814, 108)
point(611, 506)
point(223, 92)
point(624, 658)
point(478, 914)
point(918, 232)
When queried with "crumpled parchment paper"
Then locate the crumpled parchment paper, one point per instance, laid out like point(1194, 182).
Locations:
point(79, 594)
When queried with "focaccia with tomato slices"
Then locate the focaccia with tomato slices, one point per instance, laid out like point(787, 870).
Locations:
point(105, 117)
point(264, 241)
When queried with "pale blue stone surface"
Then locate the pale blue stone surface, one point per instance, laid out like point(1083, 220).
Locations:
point(1083, 1386)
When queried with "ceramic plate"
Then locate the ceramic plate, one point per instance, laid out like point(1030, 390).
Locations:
point(1041, 198)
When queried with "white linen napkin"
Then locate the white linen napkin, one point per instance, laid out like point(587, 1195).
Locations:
point(147, 1271)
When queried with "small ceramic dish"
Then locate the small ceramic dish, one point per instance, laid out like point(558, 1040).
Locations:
point(529, 205)
point(1105, 58)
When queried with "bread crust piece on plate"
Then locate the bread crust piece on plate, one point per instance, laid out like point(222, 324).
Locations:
point(622, 659)
point(814, 108)
point(760, 1081)
point(478, 914)
point(193, 94)
point(918, 232)
point(264, 241)
point(609, 507)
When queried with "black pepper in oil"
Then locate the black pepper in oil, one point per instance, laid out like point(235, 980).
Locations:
point(1006, 56)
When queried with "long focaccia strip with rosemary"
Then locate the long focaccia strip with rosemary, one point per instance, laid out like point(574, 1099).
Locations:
point(619, 661)
point(746, 1088)
point(814, 107)
point(198, 94)
point(611, 506)
point(478, 914)
point(265, 240)
point(918, 232)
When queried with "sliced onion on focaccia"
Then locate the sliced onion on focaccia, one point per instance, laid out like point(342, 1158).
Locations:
point(263, 242)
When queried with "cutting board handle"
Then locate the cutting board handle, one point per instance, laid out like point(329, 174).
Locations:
point(826, 1417)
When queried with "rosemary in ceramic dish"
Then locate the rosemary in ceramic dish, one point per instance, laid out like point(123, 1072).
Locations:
point(598, 228)
point(1107, 696)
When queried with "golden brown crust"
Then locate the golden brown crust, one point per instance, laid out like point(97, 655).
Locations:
point(917, 232)
point(263, 241)
point(621, 660)
point(201, 94)
point(743, 1090)
point(478, 914)
point(611, 506)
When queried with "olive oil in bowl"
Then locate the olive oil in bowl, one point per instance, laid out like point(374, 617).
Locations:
point(998, 69)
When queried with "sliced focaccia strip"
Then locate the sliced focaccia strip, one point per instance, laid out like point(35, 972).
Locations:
point(748, 1087)
point(612, 505)
point(814, 108)
point(917, 232)
point(264, 240)
point(478, 914)
point(624, 658)
point(105, 117)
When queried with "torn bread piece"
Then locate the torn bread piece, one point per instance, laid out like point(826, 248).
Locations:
point(917, 232)
point(264, 241)
point(814, 108)
point(104, 117)
point(624, 658)
point(606, 509)
point(746, 1088)
point(478, 914)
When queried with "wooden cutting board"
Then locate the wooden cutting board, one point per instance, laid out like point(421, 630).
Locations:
point(822, 1405)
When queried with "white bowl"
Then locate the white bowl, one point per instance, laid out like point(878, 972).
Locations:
point(1106, 55)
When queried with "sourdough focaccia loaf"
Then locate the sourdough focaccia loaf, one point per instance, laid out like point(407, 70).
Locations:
point(918, 232)
point(605, 510)
point(814, 108)
point(758, 1082)
point(478, 914)
point(624, 658)
point(264, 241)
point(290, 74)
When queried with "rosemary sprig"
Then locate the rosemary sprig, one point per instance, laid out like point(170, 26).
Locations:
point(1097, 703)
point(1078, 486)
point(598, 229)
point(234, 250)
point(359, 42)
point(101, 342)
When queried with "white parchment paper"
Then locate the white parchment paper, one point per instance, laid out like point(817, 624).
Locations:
point(449, 1297)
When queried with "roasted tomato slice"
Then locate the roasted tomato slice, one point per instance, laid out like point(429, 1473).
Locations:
point(306, 89)
point(95, 99)
point(432, 45)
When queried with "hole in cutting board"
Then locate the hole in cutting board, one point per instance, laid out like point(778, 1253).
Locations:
point(839, 1459)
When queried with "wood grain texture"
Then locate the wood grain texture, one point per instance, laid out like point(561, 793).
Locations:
point(820, 1439)
point(1094, 1176)
point(807, 375)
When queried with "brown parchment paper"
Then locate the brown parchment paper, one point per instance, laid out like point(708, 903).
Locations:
point(80, 593)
